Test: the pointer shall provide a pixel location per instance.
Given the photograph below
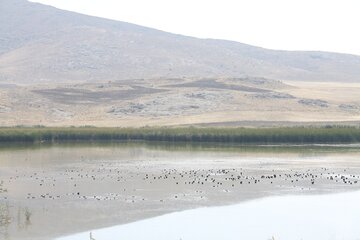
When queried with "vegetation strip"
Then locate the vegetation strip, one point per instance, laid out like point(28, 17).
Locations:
point(232, 135)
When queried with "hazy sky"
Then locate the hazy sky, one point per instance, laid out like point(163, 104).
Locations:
point(328, 25)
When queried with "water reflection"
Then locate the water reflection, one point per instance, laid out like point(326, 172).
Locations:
point(188, 146)
point(5, 220)
point(13, 219)
point(332, 217)
point(51, 190)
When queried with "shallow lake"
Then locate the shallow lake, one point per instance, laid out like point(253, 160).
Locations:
point(335, 216)
point(49, 191)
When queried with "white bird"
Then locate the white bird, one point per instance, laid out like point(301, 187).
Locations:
point(91, 237)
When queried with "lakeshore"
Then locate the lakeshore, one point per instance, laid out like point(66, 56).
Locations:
point(275, 135)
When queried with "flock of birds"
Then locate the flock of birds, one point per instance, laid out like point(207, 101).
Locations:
point(135, 185)
point(127, 185)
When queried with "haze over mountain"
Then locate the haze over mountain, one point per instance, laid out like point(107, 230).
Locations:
point(40, 43)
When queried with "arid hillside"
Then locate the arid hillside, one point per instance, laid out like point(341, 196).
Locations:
point(174, 102)
point(61, 68)
point(40, 43)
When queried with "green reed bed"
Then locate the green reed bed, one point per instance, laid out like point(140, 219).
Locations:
point(296, 135)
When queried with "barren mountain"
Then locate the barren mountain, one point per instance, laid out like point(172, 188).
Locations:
point(68, 69)
point(40, 43)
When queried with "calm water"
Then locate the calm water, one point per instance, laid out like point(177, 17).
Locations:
point(236, 192)
point(330, 217)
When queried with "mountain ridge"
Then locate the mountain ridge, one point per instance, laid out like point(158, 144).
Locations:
point(40, 43)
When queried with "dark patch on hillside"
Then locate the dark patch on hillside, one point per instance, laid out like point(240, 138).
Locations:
point(210, 83)
point(71, 95)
